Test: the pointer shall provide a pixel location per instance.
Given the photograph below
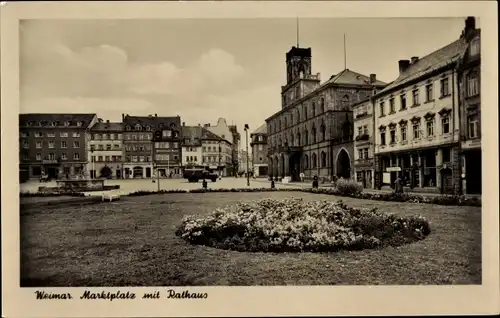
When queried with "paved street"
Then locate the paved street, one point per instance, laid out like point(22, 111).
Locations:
point(128, 186)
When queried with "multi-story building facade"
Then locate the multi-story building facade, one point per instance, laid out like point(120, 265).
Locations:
point(216, 152)
point(192, 155)
point(417, 123)
point(469, 79)
point(105, 150)
point(138, 147)
point(53, 144)
point(258, 144)
point(363, 143)
point(228, 133)
point(167, 139)
point(312, 133)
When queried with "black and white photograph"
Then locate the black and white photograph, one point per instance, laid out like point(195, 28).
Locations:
point(180, 153)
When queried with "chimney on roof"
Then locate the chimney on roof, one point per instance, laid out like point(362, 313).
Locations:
point(373, 78)
point(99, 120)
point(414, 59)
point(470, 27)
point(183, 123)
point(107, 121)
point(199, 125)
point(123, 117)
point(403, 66)
point(156, 115)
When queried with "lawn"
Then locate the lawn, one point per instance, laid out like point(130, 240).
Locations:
point(133, 243)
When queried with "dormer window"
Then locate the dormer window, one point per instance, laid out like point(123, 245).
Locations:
point(66, 123)
point(30, 123)
point(138, 127)
point(53, 124)
point(127, 127)
point(148, 128)
point(79, 124)
point(39, 124)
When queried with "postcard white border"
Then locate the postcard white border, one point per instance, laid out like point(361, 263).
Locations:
point(253, 301)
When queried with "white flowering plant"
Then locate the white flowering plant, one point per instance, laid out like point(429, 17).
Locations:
point(295, 225)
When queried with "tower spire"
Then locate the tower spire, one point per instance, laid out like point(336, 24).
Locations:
point(345, 55)
point(298, 32)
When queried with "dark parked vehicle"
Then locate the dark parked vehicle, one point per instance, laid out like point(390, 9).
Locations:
point(195, 175)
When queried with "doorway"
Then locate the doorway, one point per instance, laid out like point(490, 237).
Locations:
point(446, 181)
point(343, 165)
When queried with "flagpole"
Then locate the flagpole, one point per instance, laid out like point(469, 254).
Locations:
point(345, 55)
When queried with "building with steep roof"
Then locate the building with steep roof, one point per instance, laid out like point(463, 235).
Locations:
point(105, 150)
point(152, 145)
point(417, 122)
point(217, 153)
point(312, 133)
point(53, 144)
point(192, 155)
point(230, 134)
point(258, 145)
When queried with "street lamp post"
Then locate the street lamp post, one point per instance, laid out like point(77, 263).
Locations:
point(246, 134)
point(92, 174)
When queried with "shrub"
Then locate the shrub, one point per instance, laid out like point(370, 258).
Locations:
point(294, 225)
point(348, 187)
point(50, 194)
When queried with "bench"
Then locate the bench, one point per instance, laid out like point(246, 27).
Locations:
point(110, 197)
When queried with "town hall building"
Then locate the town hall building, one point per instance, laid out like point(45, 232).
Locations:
point(312, 133)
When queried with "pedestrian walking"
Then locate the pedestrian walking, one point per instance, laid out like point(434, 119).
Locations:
point(315, 182)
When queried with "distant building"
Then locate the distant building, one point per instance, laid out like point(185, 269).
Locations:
point(258, 144)
point(235, 146)
point(243, 157)
point(469, 79)
point(417, 122)
point(192, 155)
point(363, 143)
point(54, 144)
point(105, 150)
point(151, 143)
point(228, 133)
point(312, 133)
point(216, 152)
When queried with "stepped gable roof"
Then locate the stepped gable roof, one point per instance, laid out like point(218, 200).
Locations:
point(261, 130)
point(107, 127)
point(154, 122)
point(429, 63)
point(49, 118)
point(352, 78)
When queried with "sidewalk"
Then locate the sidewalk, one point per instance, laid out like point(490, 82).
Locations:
point(372, 191)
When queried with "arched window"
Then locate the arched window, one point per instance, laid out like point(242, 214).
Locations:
point(291, 119)
point(280, 142)
point(313, 133)
point(306, 138)
point(323, 159)
point(345, 102)
point(286, 125)
point(314, 160)
point(138, 127)
point(279, 125)
point(292, 140)
point(313, 109)
point(298, 115)
point(323, 132)
point(306, 162)
point(322, 105)
point(298, 139)
point(305, 112)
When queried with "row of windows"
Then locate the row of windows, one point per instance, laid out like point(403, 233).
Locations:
point(53, 123)
point(166, 145)
point(363, 130)
point(141, 147)
point(108, 147)
point(260, 147)
point(363, 154)
point(106, 158)
point(138, 158)
point(39, 134)
point(166, 132)
point(51, 156)
point(51, 144)
point(277, 125)
point(416, 130)
point(138, 136)
point(472, 84)
point(106, 136)
point(258, 138)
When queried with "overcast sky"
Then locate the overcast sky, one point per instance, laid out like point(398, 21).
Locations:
point(203, 69)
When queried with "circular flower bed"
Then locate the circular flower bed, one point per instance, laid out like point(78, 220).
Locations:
point(294, 225)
